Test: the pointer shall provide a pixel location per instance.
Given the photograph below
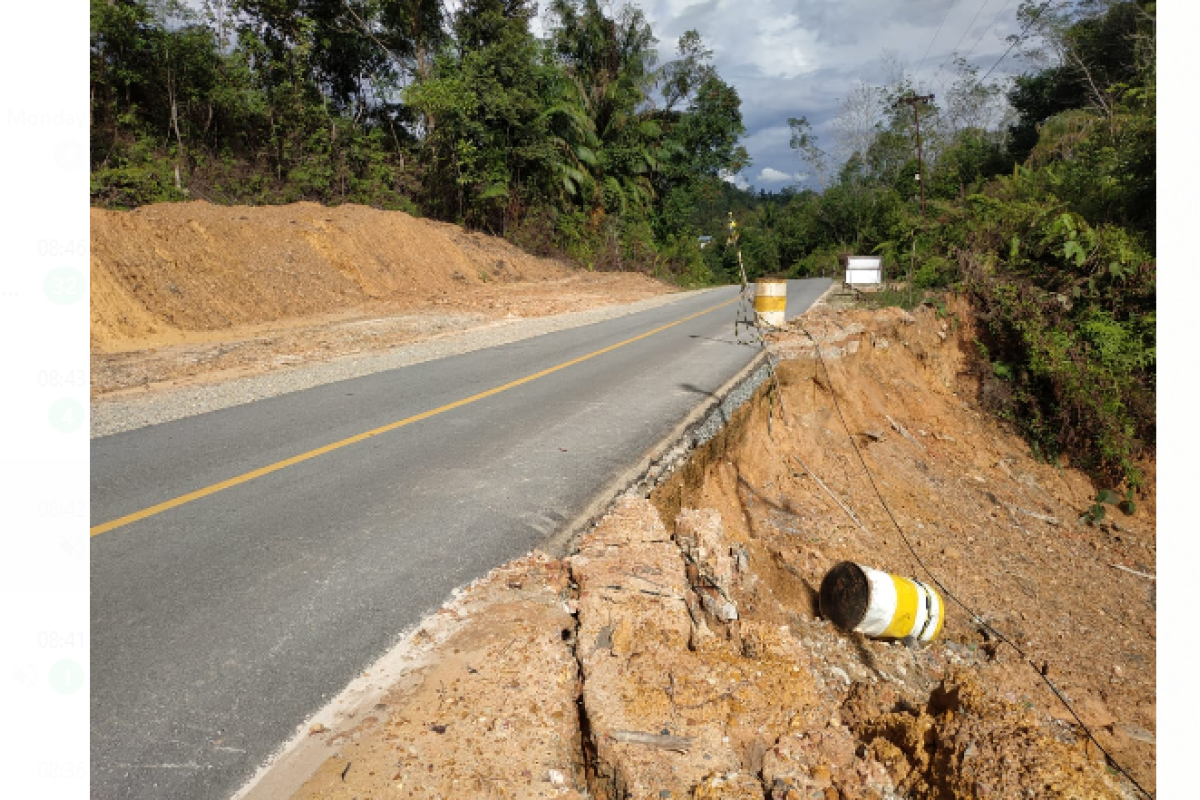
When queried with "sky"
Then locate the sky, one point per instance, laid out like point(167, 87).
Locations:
point(789, 58)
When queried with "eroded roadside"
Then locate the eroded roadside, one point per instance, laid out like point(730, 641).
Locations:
point(679, 651)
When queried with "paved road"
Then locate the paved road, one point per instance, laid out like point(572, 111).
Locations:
point(220, 624)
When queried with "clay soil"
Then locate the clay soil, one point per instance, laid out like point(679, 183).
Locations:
point(681, 650)
point(186, 293)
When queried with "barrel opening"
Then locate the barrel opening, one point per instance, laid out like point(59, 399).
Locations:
point(845, 594)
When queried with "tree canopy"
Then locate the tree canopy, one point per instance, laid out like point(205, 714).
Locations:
point(578, 143)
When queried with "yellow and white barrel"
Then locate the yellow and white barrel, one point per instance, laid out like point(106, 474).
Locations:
point(770, 301)
point(880, 605)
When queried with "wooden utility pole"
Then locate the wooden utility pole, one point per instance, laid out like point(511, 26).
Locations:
point(913, 100)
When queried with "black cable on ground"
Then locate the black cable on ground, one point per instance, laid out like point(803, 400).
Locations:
point(1041, 671)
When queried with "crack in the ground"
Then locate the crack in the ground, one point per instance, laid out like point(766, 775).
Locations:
point(587, 745)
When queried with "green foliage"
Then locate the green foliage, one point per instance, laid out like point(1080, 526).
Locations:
point(1068, 324)
point(1102, 51)
point(138, 174)
point(1049, 231)
point(967, 161)
point(462, 115)
point(935, 272)
point(275, 111)
point(491, 148)
point(1096, 512)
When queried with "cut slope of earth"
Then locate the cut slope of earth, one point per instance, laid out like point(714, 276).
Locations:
point(196, 291)
point(687, 633)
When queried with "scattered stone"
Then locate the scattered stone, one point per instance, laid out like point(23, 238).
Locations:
point(822, 764)
point(680, 744)
point(900, 429)
point(1136, 733)
point(728, 786)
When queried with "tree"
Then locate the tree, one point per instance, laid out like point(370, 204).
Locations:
point(488, 145)
point(804, 142)
point(701, 142)
point(1091, 52)
point(560, 143)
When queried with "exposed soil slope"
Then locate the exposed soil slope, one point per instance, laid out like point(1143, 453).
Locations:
point(998, 528)
point(193, 289)
point(704, 667)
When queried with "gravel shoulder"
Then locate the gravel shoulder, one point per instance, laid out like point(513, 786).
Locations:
point(217, 388)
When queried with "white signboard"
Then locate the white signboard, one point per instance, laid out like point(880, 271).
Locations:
point(862, 270)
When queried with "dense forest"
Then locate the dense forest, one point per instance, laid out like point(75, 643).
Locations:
point(577, 143)
point(584, 142)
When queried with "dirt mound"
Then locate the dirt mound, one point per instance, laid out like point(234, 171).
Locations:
point(183, 272)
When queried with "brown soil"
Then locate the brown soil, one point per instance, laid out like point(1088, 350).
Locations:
point(491, 715)
point(704, 667)
point(192, 292)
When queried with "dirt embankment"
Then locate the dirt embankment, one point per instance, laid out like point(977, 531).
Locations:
point(680, 652)
point(193, 290)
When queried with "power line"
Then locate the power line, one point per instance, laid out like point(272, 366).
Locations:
point(1019, 37)
point(935, 35)
point(943, 85)
point(975, 617)
point(946, 60)
point(989, 28)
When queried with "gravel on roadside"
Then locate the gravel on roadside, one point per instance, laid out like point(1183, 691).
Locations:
point(109, 416)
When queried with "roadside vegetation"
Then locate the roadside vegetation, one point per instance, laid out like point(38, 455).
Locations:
point(578, 143)
point(583, 143)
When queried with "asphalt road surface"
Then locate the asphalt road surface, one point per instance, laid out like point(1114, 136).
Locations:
point(240, 579)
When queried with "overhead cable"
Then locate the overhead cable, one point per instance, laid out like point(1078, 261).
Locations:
point(935, 36)
point(1020, 36)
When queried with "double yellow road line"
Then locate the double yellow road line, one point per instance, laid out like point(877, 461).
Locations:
point(338, 445)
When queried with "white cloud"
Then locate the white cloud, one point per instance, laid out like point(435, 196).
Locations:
point(736, 179)
point(788, 58)
point(772, 175)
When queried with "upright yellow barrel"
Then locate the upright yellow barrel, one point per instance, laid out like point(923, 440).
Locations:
point(770, 301)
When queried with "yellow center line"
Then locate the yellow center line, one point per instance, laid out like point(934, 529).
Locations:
point(329, 448)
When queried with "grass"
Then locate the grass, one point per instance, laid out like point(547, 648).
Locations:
point(900, 295)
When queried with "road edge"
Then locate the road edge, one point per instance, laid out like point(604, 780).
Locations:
point(109, 415)
point(669, 452)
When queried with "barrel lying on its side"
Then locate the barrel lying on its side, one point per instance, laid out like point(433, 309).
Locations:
point(879, 605)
